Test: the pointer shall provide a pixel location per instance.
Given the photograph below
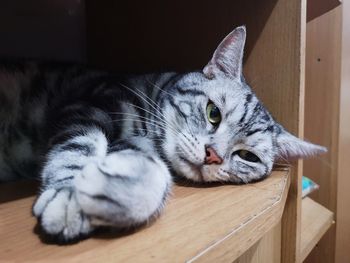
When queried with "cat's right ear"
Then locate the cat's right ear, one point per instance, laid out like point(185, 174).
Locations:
point(291, 147)
point(228, 57)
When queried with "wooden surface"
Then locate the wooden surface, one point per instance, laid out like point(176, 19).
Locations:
point(322, 88)
point(211, 224)
point(276, 66)
point(343, 212)
point(315, 221)
point(316, 8)
point(266, 250)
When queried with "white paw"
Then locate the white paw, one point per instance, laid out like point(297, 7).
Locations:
point(124, 189)
point(60, 214)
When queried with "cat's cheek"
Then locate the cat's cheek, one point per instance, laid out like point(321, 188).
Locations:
point(259, 172)
point(187, 171)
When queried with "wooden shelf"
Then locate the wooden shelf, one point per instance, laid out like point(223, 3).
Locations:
point(315, 221)
point(316, 8)
point(204, 224)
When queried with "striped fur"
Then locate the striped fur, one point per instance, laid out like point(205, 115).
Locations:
point(103, 145)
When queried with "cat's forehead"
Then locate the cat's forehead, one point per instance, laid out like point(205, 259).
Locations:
point(225, 89)
point(220, 89)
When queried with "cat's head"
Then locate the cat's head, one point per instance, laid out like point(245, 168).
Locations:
point(219, 129)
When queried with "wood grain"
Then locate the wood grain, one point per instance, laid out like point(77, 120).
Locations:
point(218, 222)
point(266, 250)
point(323, 61)
point(316, 8)
point(279, 62)
point(315, 221)
point(343, 193)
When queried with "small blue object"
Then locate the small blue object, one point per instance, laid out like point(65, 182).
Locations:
point(308, 186)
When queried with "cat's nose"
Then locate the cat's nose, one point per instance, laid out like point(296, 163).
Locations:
point(211, 156)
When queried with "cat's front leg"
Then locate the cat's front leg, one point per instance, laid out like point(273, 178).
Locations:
point(57, 208)
point(127, 188)
point(123, 185)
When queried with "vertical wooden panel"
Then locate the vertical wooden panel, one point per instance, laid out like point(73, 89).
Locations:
point(323, 48)
point(316, 8)
point(278, 59)
point(285, 82)
point(266, 250)
point(343, 212)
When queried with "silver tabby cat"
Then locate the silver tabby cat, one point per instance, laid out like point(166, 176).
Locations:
point(104, 145)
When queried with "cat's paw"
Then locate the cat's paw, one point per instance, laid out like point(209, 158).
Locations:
point(60, 215)
point(124, 189)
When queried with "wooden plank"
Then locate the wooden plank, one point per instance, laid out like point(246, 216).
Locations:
point(323, 62)
point(315, 221)
point(196, 223)
point(276, 66)
point(316, 8)
point(342, 253)
point(266, 250)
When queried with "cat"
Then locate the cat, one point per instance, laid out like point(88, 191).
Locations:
point(105, 146)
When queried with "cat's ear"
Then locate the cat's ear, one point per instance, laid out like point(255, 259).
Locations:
point(228, 56)
point(291, 147)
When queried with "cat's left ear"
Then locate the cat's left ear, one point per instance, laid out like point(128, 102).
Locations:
point(291, 147)
point(228, 57)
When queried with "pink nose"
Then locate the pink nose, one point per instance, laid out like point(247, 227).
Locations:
point(212, 156)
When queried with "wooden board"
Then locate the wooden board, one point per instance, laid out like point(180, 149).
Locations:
point(275, 67)
point(315, 221)
point(316, 8)
point(211, 224)
point(343, 193)
point(322, 88)
point(266, 250)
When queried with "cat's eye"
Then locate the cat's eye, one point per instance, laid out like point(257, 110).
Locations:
point(213, 113)
point(247, 156)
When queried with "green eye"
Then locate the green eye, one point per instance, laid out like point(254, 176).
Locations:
point(247, 156)
point(213, 114)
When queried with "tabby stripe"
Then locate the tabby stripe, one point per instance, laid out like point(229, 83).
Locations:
point(171, 81)
point(85, 149)
point(89, 122)
point(172, 103)
point(103, 198)
point(63, 179)
point(63, 136)
point(251, 132)
point(118, 146)
point(191, 92)
point(52, 198)
point(73, 167)
point(247, 101)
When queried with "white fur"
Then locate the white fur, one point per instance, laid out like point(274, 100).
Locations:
point(142, 196)
point(137, 182)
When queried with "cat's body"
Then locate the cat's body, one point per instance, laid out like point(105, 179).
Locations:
point(103, 146)
point(40, 99)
